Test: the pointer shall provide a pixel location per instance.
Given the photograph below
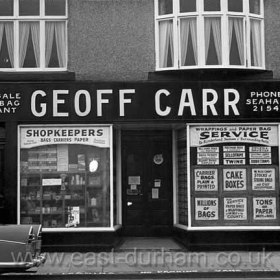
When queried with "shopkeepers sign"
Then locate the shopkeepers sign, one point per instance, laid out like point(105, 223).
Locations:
point(47, 135)
point(99, 102)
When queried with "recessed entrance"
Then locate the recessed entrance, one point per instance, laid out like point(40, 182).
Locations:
point(147, 183)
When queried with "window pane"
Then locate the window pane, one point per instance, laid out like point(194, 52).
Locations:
point(65, 185)
point(55, 44)
point(6, 45)
point(188, 36)
point(29, 7)
point(212, 5)
point(166, 47)
point(29, 42)
point(235, 5)
point(213, 44)
point(6, 7)
point(187, 6)
point(55, 7)
point(165, 7)
point(256, 43)
point(255, 7)
point(236, 41)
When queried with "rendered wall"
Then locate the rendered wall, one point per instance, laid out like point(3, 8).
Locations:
point(111, 39)
point(272, 36)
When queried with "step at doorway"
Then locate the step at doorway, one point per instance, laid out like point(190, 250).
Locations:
point(149, 243)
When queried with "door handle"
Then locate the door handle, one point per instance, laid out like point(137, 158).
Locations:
point(129, 203)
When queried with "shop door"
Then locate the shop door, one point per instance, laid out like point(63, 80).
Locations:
point(147, 183)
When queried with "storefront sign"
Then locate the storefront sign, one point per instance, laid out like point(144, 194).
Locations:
point(206, 209)
point(46, 135)
point(235, 208)
point(263, 179)
point(234, 179)
point(117, 101)
point(206, 180)
point(264, 208)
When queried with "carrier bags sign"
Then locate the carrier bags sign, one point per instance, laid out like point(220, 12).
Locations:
point(206, 209)
point(47, 135)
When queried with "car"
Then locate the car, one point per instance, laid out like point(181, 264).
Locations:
point(20, 247)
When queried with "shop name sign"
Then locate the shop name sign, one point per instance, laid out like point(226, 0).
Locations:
point(83, 105)
point(139, 101)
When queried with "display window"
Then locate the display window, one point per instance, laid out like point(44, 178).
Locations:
point(65, 176)
point(234, 176)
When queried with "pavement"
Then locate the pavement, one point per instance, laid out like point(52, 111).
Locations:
point(148, 258)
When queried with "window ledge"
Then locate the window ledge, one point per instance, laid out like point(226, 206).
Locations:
point(210, 75)
point(37, 76)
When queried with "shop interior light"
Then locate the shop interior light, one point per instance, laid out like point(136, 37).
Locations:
point(93, 166)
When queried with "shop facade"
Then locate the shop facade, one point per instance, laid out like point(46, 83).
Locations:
point(108, 160)
point(140, 118)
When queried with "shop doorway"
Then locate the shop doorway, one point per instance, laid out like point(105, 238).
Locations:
point(147, 183)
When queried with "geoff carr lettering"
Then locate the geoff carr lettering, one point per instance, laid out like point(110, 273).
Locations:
point(83, 103)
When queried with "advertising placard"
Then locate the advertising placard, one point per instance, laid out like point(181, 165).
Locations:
point(234, 179)
point(264, 208)
point(206, 179)
point(206, 209)
point(263, 179)
point(255, 134)
point(47, 135)
point(235, 208)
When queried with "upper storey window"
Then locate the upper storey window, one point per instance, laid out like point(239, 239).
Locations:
point(209, 33)
point(33, 35)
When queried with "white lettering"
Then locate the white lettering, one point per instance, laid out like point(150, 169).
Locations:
point(43, 106)
point(159, 111)
point(77, 103)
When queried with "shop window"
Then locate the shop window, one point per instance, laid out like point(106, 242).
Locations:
point(182, 178)
point(234, 176)
point(209, 34)
point(65, 176)
point(33, 35)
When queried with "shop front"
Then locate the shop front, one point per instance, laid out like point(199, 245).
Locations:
point(92, 162)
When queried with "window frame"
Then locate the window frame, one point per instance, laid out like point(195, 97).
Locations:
point(42, 19)
point(200, 15)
